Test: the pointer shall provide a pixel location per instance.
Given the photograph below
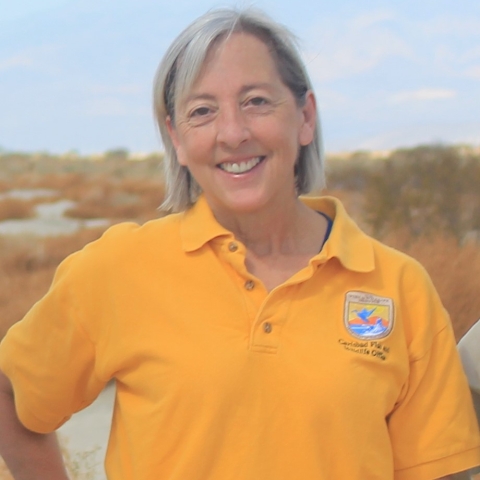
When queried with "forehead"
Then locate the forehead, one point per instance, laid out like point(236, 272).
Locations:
point(235, 58)
point(235, 44)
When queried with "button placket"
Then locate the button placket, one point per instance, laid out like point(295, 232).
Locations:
point(268, 326)
point(266, 336)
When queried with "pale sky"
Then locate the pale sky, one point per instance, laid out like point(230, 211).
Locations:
point(77, 74)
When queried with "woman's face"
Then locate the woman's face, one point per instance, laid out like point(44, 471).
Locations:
point(239, 130)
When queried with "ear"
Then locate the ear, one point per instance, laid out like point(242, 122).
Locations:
point(173, 134)
point(308, 119)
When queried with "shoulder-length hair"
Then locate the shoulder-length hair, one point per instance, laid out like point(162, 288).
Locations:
point(182, 65)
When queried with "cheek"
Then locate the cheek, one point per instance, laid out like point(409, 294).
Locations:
point(198, 148)
point(191, 156)
point(185, 148)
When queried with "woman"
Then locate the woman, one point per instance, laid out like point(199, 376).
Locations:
point(252, 335)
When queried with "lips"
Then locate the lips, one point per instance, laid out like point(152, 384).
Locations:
point(240, 167)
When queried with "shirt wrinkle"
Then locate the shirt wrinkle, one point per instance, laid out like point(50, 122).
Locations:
point(426, 352)
point(83, 331)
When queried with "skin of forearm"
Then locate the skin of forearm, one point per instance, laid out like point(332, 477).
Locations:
point(28, 455)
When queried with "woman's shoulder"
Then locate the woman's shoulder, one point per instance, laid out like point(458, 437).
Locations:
point(122, 235)
point(406, 271)
point(125, 245)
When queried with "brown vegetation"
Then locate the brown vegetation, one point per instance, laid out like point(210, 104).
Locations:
point(13, 208)
point(130, 199)
point(428, 190)
point(113, 188)
point(423, 201)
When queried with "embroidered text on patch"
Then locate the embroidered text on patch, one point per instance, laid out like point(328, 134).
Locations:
point(368, 316)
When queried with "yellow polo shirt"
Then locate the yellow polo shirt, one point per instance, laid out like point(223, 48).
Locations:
point(346, 371)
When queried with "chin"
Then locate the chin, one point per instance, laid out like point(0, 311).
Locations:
point(241, 204)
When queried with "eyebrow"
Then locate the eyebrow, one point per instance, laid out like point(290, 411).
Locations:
point(243, 90)
point(201, 96)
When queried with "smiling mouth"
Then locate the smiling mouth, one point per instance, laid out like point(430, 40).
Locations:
point(240, 167)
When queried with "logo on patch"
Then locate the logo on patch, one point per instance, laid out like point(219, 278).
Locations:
point(368, 316)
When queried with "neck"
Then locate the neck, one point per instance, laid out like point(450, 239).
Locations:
point(288, 229)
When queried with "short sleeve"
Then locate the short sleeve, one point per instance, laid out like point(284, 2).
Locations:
point(433, 428)
point(49, 358)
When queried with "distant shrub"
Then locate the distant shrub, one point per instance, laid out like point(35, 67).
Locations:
point(350, 173)
point(424, 191)
point(118, 154)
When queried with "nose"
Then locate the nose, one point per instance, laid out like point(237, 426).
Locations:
point(232, 128)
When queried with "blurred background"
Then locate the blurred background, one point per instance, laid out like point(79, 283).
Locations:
point(76, 75)
point(397, 83)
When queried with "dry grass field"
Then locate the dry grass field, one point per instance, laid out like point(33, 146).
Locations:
point(120, 189)
point(112, 189)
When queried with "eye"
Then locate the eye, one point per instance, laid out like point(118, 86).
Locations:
point(257, 101)
point(200, 112)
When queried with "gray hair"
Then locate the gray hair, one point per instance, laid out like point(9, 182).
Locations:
point(182, 65)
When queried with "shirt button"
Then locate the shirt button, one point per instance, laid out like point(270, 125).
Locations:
point(249, 284)
point(267, 327)
point(232, 246)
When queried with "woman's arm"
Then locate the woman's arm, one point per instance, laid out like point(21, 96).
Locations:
point(28, 455)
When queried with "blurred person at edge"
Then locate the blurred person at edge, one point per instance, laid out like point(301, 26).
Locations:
point(469, 349)
point(252, 334)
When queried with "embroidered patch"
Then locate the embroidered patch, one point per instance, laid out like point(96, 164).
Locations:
point(368, 316)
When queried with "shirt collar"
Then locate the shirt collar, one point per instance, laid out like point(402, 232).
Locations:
point(199, 226)
point(352, 247)
point(347, 243)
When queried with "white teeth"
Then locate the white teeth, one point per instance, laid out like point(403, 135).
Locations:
point(240, 167)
